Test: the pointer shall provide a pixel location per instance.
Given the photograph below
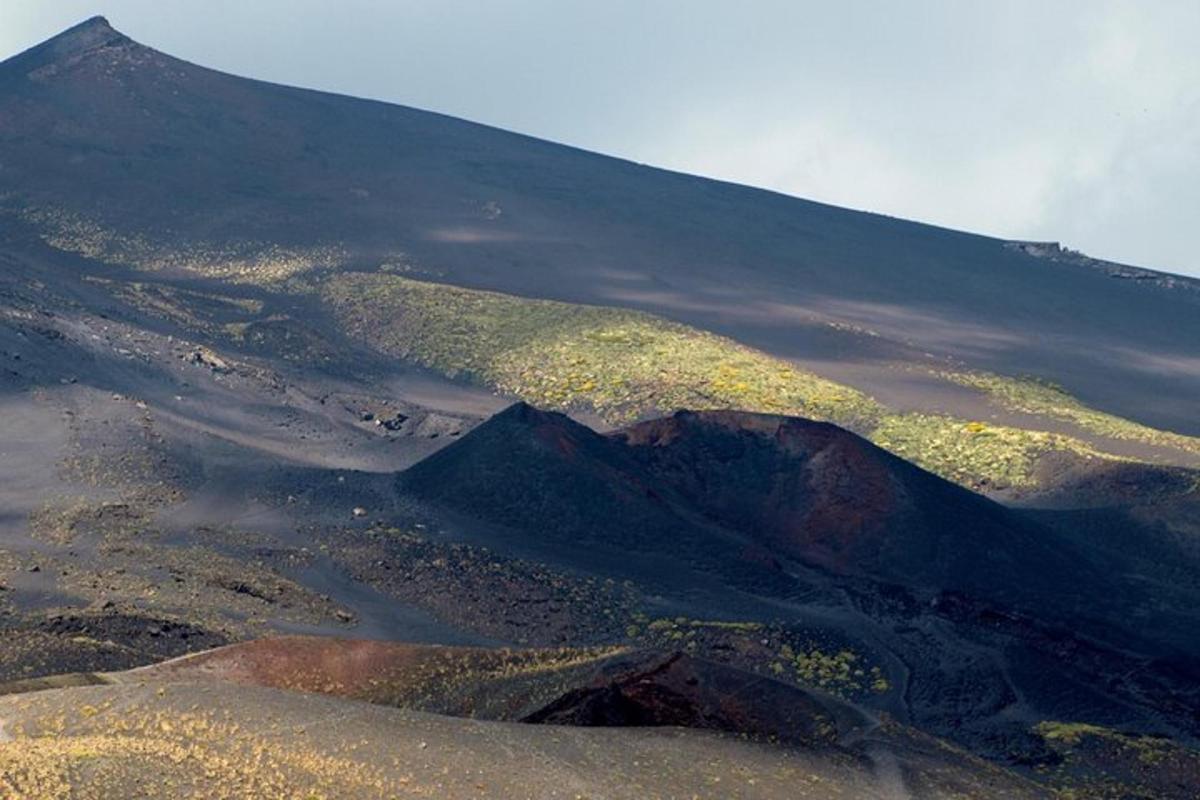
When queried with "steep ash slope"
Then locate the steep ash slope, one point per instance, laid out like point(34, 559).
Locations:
point(822, 495)
point(993, 619)
point(740, 494)
point(575, 491)
point(115, 150)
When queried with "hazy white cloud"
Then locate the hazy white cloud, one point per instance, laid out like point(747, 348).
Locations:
point(1000, 190)
point(1073, 120)
point(1086, 130)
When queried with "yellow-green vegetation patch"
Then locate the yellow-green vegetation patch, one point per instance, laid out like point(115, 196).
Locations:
point(1069, 733)
point(1038, 397)
point(784, 654)
point(620, 363)
point(684, 629)
point(1147, 749)
point(841, 671)
point(624, 369)
point(975, 454)
point(236, 262)
point(517, 663)
point(626, 364)
point(1097, 763)
point(50, 758)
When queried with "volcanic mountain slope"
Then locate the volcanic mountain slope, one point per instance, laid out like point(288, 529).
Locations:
point(806, 522)
point(328, 234)
point(229, 317)
point(575, 490)
point(119, 152)
point(731, 490)
point(827, 497)
point(823, 496)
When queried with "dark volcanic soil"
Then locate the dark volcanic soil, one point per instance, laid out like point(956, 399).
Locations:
point(122, 147)
point(194, 452)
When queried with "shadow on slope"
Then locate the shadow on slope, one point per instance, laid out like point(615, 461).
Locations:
point(745, 495)
point(121, 152)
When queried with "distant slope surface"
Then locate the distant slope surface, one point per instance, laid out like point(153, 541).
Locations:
point(117, 151)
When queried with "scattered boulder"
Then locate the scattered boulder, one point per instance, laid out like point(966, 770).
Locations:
point(204, 357)
point(394, 423)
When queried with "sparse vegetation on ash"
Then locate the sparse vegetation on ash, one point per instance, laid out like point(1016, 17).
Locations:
point(625, 365)
point(1042, 398)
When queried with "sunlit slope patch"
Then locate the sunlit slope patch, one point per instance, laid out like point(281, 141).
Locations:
point(1031, 396)
point(245, 262)
point(626, 364)
point(975, 454)
point(622, 364)
point(619, 363)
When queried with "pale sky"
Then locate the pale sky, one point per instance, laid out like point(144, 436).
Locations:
point(1072, 121)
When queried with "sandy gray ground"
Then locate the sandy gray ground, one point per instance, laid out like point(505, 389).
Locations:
point(188, 740)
